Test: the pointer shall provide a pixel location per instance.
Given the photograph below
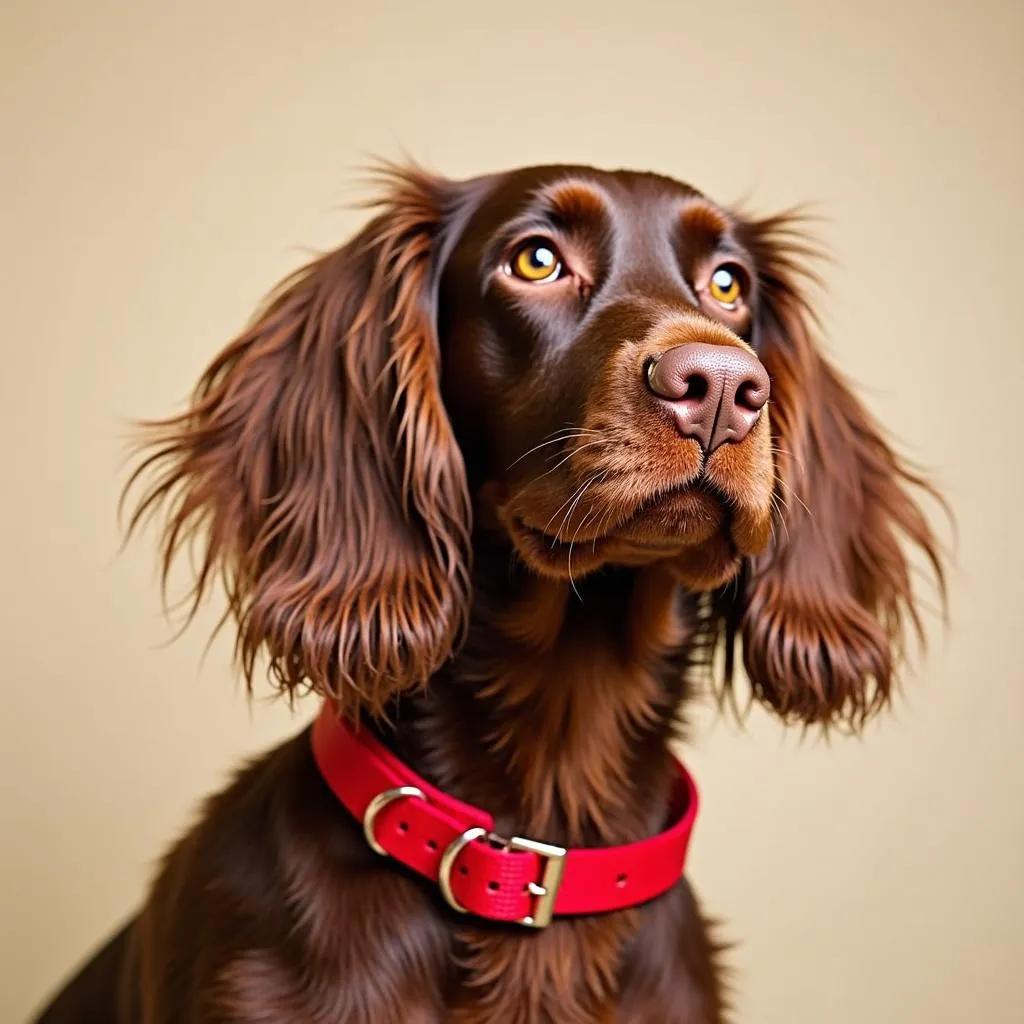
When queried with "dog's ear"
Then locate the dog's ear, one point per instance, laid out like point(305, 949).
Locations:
point(822, 613)
point(317, 468)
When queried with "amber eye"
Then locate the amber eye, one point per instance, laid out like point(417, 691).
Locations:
point(725, 286)
point(536, 261)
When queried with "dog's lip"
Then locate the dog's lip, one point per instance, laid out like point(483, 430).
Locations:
point(594, 543)
point(554, 544)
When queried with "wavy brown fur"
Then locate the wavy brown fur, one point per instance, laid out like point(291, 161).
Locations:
point(317, 469)
point(822, 613)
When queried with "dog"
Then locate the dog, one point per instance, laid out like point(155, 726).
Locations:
point(495, 481)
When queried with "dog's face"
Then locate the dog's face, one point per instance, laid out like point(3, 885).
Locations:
point(606, 368)
point(596, 335)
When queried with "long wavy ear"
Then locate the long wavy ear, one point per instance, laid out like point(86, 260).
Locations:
point(822, 613)
point(317, 469)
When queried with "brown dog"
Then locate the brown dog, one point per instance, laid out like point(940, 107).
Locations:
point(494, 479)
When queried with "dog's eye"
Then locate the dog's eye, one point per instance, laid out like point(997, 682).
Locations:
point(536, 261)
point(726, 286)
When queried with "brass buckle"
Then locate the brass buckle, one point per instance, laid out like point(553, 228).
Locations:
point(547, 891)
point(544, 892)
point(377, 804)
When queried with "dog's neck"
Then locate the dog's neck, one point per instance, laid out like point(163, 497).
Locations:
point(558, 713)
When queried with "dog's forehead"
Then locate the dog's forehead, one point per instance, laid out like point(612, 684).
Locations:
point(581, 189)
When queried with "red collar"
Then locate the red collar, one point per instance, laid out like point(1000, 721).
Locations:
point(452, 843)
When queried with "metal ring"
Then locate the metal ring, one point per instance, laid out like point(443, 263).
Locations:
point(377, 804)
point(444, 876)
point(649, 372)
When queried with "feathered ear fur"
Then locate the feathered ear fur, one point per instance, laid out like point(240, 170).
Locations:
point(822, 613)
point(317, 468)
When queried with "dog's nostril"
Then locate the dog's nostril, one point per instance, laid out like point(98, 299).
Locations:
point(750, 395)
point(696, 387)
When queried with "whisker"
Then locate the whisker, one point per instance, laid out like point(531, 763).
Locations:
point(779, 450)
point(568, 514)
point(572, 582)
point(548, 472)
point(602, 528)
point(566, 458)
point(589, 516)
point(558, 436)
point(780, 518)
point(780, 506)
point(560, 507)
point(793, 494)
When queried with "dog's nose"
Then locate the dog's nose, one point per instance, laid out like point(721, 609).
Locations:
point(715, 392)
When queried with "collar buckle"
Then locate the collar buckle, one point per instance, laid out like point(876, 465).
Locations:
point(546, 891)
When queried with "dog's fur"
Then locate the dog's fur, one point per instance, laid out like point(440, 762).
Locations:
point(443, 498)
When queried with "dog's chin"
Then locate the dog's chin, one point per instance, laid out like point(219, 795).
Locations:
point(688, 530)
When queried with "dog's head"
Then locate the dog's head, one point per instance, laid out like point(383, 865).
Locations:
point(603, 368)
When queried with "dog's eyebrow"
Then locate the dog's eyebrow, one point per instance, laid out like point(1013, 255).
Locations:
point(573, 202)
point(705, 230)
point(704, 222)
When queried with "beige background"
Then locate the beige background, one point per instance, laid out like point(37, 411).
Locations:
point(164, 163)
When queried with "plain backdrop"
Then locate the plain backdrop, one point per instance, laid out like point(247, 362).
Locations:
point(163, 164)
